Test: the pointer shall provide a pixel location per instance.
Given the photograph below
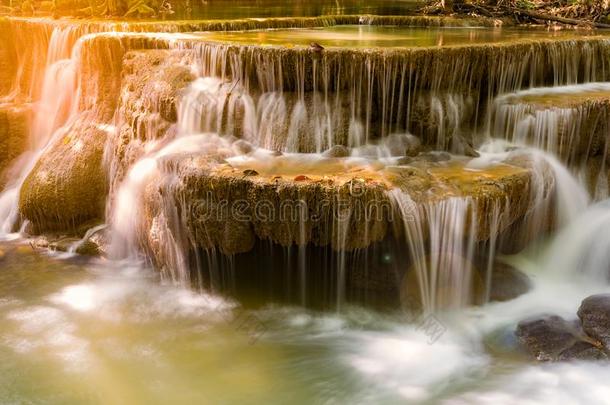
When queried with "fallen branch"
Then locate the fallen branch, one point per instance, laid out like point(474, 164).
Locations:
point(480, 9)
point(564, 20)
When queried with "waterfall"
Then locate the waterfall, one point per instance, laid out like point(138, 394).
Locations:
point(127, 218)
point(441, 241)
point(341, 97)
point(169, 106)
point(570, 122)
point(55, 110)
point(581, 249)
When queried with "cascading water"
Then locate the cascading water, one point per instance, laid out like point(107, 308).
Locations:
point(250, 96)
point(443, 266)
point(580, 248)
point(187, 122)
point(245, 93)
point(56, 109)
point(567, 121)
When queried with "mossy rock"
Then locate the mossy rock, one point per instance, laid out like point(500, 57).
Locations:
point(207, 193)
point(68, 185)
point(88, 248)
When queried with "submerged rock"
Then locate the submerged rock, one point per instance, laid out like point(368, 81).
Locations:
point(458, 283)
point(402, 145)
point(434, 157)
point(62, 244)
point(242, 147)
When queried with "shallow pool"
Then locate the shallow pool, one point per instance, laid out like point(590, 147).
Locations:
point(375, 36)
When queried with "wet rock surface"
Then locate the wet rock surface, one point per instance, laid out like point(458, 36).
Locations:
point(68, 186)
point(594, 313)
point(507, 283)
point(552, 338)
point(337, 151)
point(15, 121)
point(152, 82)
point(6, 55)
point(548, 336)
point(207, 192)
point(582, 351)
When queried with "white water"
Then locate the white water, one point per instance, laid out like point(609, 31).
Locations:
point(568, 198)
point(529, 117)
point(54, 112)
point(442, 262)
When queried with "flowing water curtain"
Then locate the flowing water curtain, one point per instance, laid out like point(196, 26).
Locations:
point(309, 94)
point(57, 107)
point(441, 238)
point(575, 131)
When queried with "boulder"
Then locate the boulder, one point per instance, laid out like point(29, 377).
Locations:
point(594, 313)
point(582, 351)
point(548, 336)
point(68, 186)
point(88, 248)
point(507, 283)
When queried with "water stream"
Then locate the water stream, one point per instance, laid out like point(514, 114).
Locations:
point(164, 317)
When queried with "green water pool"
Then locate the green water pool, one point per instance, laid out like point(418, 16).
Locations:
point(370, 36)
